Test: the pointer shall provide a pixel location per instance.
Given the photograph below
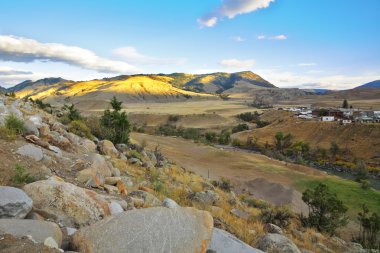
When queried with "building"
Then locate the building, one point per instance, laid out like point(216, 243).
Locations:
point(328, 118)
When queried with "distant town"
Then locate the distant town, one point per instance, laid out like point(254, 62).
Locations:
point(344, 115)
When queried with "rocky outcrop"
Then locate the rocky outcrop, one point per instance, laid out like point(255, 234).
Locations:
point(14, 203)
point(180, 230)
point(38, 230)
point(224, 242)
point(66, 203)
point(98, 166)
point(169, 203)
point(276, 243)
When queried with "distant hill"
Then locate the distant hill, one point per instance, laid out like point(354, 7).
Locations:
point(154, 87)
point(373, 84)
point(317, 91)
point(2, 90)
point(219, 82)
point(41, 82)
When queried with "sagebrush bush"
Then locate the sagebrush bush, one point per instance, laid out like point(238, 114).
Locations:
point(280, 216)
point(79, 128)
point(15, 124)
point(21, 177)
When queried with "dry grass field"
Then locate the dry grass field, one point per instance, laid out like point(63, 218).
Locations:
point(271, 180)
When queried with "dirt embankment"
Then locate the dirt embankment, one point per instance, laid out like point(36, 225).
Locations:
point(362, 140)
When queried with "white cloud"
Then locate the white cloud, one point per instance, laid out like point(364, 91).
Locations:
point(238, 39)
point(237, 64)
point(132, 55)
point(287, 79)
point(207, 21)
point(279, 37)
point(276, 37)
point(307, 64)
point(19, 49)
point(232, 8)
point(7, 71)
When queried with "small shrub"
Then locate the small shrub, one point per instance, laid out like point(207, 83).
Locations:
point(252, 202)
point(365, 184)
point(236, 143)
point(173, 118)
point(135, 154)
point(15, 124)
point(79, 128)
point(7, 134)
point(239, 128)
point(280, 216)
point(21, 177)
point(211, 137)
point(224, 184)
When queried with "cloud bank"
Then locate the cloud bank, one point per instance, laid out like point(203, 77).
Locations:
point(19, 49)
point(232, 8)
point(237, 64)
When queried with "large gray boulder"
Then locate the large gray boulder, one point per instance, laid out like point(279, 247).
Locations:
point(14, 203)
point(31, 151)
point(276, 243)
point(159, 229)
point(66, 203)
point(39, 230)
point(224, 242)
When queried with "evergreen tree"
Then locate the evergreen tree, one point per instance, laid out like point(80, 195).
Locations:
point(345, 104)
point(116, 123)
point(326, 211)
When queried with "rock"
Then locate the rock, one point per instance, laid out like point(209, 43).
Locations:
point(66, 203)
point(73, 138)
point(89, 145)
point(355, 248)
point(98, 165)
point(36, 120)
point(31, 151)
point(58, 127)
point(34, 216)
point(323, 248)
point(112, 180)
point(224, 242)
point(122, 147)
point(31, 128)
point(11, 244)
point(207, 197)
point(110, 189)
point(180, 230)
point(50, 242)
point(107, 148)
point(96, 181)
point(272, 228)
point(135, 161)
point(57, 139)
point(240, 213)
point(14, 203)
point(44, 130)
point(276, 243)
point(148, 198)
point(115, 208)
point(39, 230)
point(169, 203)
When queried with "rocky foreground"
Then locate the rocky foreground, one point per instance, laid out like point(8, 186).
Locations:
point(81, 195)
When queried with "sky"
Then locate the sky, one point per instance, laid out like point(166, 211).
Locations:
point(330, 44)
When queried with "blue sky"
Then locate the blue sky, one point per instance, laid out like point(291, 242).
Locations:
point(291, 43)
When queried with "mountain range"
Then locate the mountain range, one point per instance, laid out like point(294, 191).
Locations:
point(373, 84)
